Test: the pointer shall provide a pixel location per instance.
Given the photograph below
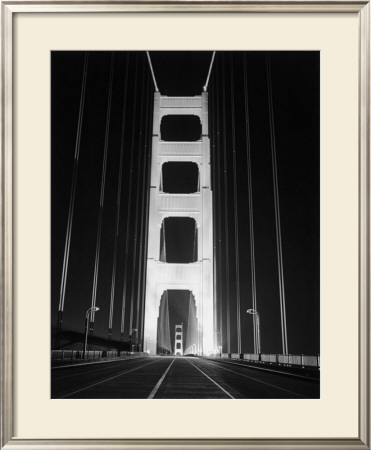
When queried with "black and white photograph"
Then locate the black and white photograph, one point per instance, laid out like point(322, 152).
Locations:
point(185, 225)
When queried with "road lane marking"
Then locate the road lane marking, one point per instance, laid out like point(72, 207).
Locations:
point(93, 371)
point(258, 381)
point(104, 381)
point(155, 389)
point(97, 362)
point(207, 376)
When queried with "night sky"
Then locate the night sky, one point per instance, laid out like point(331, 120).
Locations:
point(295, 90)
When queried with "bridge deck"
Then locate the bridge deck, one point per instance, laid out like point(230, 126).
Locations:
point(177, 377)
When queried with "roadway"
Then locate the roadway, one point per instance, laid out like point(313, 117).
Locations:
point(178, 378)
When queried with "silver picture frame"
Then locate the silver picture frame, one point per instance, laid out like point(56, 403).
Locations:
point(9, 10)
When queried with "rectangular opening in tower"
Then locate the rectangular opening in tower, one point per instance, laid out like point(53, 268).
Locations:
point(180, 177)
point(181, 128)
point(179, 240)
point(177, 320)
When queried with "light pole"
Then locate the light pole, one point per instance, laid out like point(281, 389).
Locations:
point(131, 332)
point(255, 313)
point(87, 323)
point(219, 342)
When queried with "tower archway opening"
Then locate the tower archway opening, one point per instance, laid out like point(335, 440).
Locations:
point(180, 128)
point(177, 317)
point(179, 240)
point(180, 177)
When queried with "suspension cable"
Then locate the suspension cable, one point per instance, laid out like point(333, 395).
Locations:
point(128, 219)
point(148, 177)
point(218, 201)
point(72, 195)
point(142, 215)
point(277, 211)
point(208, 75)
point(137, 204)
point(235, 204)
point(251, 211)
point(101, 200)
point(118, 202)
point(225, 167)
point(213, 174)
point(153, 73)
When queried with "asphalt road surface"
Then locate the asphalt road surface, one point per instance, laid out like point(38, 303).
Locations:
point(178, 377)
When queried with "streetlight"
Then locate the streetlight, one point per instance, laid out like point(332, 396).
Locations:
point(131, 332)
point(255, 313)
point(219, 342)
point(87, 322)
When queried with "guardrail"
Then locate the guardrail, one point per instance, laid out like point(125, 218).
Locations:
point(70, 355)
point(286, 360)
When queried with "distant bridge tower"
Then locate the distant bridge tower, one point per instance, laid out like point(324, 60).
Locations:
point(178, 342)
point(196, 277)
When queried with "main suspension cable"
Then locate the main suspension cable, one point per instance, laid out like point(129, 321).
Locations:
point(153, 73)
point(208, 75)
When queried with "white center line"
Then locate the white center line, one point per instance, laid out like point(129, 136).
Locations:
point(155, 389)
point(207, 376)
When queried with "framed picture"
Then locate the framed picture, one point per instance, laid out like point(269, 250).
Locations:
point(281, 112)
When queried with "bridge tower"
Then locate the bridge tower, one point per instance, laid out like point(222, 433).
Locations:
point(197, 276)
point(178, 341)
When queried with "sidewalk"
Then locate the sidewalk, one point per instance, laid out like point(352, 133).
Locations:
point(305, 372)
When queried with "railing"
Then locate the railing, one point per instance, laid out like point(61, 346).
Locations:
point(288, 360)
point(71, 355)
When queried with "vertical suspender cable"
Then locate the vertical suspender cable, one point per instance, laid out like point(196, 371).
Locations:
point(277, 211)
point(137, 205)
point(142, 216)
point(235, 204)
point(101, 200)
point(218, 202)
point(72, 197)
point(225, 167)
point(251, 216)
point(128, 219)
point(213, 173)
point(113, 281)
point(148, 176)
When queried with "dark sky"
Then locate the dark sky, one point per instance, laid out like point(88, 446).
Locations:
point(295, 89)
